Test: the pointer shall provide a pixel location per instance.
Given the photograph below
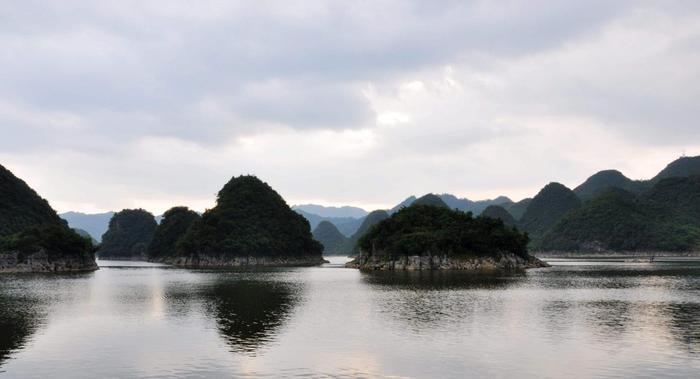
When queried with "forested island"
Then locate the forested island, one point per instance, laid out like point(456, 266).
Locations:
point(32, 236)
point(251, 225)
point(430, 236)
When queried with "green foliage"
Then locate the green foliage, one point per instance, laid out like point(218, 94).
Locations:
point(57, 240)
point(430, 199)
point(330, 237)
point(424, 229)
point(250, 219)
point(666, 218)
point(175, 223)
point(370, 221)
point(682, 167)
point(498, 212)
point(129, 233)
point(545, 209)
point(21, 207)
point(603, 180)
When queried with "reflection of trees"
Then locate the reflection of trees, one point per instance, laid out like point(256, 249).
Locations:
point(249, 313)
point(435, 300)
point(18, 321)
point(685, 324)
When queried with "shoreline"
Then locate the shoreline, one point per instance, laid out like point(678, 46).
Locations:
point(615, 254)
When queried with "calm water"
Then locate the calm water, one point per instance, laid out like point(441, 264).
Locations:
point(577, 319)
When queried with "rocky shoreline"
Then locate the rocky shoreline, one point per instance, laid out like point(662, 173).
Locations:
point(506, 262)
point(240, 262)
point(40, 262)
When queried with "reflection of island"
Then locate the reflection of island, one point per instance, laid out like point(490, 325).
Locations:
point(18, 321)
point(250, 313)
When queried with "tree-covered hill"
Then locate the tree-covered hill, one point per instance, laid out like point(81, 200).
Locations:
point(173, 226)
point(422, 229)
point(666, 218)
point(128, 236)
point(21, 207)
point(330, 237)
point(498, 212)
point(372, 219)
point(603, 180)
point(681, 167)
point(250, 219)
point(33, 237)
point(545, 209)
point(430, 199)
point(517, 210)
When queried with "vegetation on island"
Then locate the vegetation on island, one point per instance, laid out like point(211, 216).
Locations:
point(29, 225)
point(250, 219)
point(372, 219)
point(129, 234)
point(425, 229)
point(176, 221)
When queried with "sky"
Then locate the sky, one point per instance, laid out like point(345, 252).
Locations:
point(123, 104)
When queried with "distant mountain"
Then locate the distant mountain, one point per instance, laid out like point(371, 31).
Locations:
point(430, 199)
point(85, 234)
point(545, 209)
point(346, 225)
point(498, 212)
point(332, 240)
point(681, 167)
point(665, 218)
point(371, 220)
point(453, 202)
point(332, 212)
point(517, 210)
point(603, 180)
point(96, 224)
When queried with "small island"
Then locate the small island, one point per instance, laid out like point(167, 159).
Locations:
point(129, 235)
point(428, 237)
point(251, 225)
point(32, 236)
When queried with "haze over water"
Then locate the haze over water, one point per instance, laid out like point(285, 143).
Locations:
point(142, 320)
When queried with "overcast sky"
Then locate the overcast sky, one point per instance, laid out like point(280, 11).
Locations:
point(111, 105)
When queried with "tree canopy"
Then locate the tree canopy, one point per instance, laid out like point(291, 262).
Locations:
point(175, 223)
point(129, 234)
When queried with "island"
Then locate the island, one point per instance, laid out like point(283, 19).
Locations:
point(129, 234)
point(429, 237)
point(32, 236)
point(251, 225)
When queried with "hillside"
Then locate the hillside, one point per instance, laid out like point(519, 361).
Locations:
point(429, 237)
point(666, 218)
point(173, 226)
point(129, 233)
point(330, 237)
point(545, 209)
point(517, 210)
point(21, 207)
point(500, 213)
point(603, 180)
point(430, 199)
point(371, 220)
point(681, 167)
point(250, 224)
point(32, 236)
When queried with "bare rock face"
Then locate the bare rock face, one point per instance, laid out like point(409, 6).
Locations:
point(40, 261)
point(506, 262)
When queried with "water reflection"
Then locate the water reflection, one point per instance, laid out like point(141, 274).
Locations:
point(250, 312)
point(685, 325)
point(19, 320)
point(439, 280)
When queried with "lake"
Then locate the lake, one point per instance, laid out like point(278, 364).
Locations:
point(133, 319)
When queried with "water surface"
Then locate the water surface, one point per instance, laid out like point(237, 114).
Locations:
point(133, 319)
